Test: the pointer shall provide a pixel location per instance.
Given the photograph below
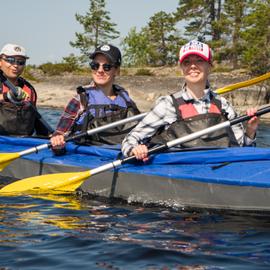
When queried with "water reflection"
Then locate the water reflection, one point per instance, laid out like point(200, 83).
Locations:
point(65, 232)
point(131, 234)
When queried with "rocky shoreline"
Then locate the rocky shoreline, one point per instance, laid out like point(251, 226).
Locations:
point(56, 91)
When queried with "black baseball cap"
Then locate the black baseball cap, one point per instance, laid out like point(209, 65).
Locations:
point(110, 51)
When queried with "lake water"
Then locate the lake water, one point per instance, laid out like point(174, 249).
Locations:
point(74, 233)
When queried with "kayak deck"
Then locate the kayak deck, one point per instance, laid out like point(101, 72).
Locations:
point(230, 178)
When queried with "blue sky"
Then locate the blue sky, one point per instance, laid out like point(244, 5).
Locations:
point(45, 27)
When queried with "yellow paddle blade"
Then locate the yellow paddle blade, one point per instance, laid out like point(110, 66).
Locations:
point(65, 182)
point(6, 158)
point(243, 84)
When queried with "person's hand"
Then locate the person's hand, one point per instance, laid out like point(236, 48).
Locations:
point(140, 152)
point(58, 141)
point(252, 124)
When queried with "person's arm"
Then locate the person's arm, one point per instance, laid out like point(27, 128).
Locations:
point(244, 138)
point(69, 115)
point(65, 123)
point(252, 124)
point(161, 115)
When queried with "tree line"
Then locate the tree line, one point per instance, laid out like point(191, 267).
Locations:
point(238, 31)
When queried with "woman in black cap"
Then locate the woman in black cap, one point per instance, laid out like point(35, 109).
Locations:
point(97, 104)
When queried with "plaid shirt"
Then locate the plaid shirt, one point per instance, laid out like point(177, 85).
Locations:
point(164, 114)
point(73, 109)
point(71, 112)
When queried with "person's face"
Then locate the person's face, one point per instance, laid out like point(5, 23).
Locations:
point(103, 75)
point(12, 66)
point(195, 69)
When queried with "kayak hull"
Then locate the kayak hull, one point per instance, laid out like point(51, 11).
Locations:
point(242, 185)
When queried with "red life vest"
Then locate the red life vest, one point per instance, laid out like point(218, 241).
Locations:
point(18, 119)
point(189, 121)
point(26, 86)
point(188, 110)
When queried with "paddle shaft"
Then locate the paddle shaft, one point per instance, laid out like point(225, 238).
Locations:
point(232, 87)
point(181, 140)
point(105, 127)
point(14, 90)
point(36, 149)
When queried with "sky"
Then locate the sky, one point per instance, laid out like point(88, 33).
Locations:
point(46, 27)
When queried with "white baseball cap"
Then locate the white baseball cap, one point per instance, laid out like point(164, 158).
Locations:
point(197, 48)
point(14, 50)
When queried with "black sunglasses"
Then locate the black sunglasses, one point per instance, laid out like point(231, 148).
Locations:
point(13, 61)
point(106, 67)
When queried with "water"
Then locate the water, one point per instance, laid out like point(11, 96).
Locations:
point(71, 232)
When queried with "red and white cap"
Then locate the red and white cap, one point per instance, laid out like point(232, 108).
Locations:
point(197, 48)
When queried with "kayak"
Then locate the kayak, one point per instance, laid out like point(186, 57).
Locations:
point(219, 178)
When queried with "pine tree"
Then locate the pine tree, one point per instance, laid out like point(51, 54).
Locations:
point(156, 44)
point(201, 17)
point(98, 28)
point(135, 47)
point(233, 17)
point(256, 53)
point(162, 35)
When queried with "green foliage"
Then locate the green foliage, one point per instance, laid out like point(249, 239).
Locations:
point(161, 33)
point(144, 72)
point(136, 48)
point(201, 18)
point(157, 44)
point(98, 29)
point(27, 73)
point(51, 69)
point(72, 61)
point(256, 36)
point(238, 31)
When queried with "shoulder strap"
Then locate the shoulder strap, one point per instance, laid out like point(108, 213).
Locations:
point(83, 96)
point(130, 103)
point(218, 103)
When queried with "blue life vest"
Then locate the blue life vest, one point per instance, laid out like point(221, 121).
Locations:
point(101, 110)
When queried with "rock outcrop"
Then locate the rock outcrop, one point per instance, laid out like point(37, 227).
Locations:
point(56, 91)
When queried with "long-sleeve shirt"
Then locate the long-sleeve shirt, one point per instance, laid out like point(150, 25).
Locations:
point(164, 114)
point(71, 112)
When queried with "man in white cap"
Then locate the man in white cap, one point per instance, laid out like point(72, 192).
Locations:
point(193, 108)
point(16, 117)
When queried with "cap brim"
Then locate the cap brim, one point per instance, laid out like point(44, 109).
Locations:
point(93, 55)
point(207, 59)
point(13, 55)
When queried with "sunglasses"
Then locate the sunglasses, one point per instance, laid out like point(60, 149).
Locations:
point(13, 61)
point(106, 67)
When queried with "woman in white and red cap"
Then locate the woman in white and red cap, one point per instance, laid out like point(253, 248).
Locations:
point(193, 108)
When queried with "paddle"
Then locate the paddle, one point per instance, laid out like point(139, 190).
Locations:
point(14, 90)
point(232, 87)
point(69, 182)
point(6, 158)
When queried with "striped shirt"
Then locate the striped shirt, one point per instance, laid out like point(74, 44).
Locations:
point(164, 114)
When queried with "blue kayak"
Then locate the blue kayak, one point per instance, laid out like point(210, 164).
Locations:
point(226, 178)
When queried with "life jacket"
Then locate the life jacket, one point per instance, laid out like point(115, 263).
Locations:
point(100, 110)
point(18, 119)
point(189, 121)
